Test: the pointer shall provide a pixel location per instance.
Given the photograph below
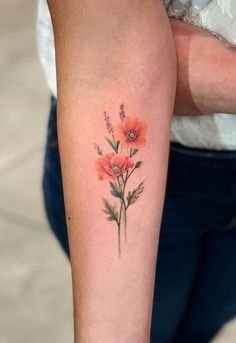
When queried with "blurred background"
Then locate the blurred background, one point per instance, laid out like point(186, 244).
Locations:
point(35, 282)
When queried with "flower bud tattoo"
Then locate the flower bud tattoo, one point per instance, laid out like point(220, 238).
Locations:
point(125, 139)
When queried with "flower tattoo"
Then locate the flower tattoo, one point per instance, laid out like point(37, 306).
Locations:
point(125, 139)
point(131, 132)
point(113, 165)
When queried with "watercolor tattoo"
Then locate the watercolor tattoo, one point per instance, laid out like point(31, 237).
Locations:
point(125, 140)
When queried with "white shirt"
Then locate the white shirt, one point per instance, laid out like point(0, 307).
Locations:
point(217, 131)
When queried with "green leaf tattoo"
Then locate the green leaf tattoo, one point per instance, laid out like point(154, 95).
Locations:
point(110, 210)
point(114, 144)
point(133, 196)
point(116, 190)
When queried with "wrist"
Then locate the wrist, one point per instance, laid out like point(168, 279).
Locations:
point(106, 337)
point(112, 329)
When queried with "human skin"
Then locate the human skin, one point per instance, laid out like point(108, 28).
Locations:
point(110, 53)
point(127, 56)
point(206, 81)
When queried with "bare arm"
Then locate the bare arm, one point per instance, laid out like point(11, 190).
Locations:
point(111, 53)
point(206, 72)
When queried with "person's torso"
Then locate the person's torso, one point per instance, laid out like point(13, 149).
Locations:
point(216, 131)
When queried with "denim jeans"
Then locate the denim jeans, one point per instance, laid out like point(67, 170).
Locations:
point(195, 289)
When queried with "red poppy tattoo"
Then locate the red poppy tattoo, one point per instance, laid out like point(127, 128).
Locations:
point(125, 140)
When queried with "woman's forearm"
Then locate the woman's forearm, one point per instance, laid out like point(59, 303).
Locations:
point(116, 76)
point(206, 72)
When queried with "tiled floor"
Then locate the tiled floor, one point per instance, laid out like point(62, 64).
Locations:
point(35, 286)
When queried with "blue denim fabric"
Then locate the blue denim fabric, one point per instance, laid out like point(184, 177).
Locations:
point(195, 290)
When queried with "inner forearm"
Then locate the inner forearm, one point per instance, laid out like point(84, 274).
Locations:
point(105, 59)
point(206, 72)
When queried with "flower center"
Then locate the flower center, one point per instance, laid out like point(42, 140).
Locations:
point(131, 135)
point(116, 169)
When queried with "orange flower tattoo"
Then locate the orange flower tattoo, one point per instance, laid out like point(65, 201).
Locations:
point(125, 140)
point(113, 165)
point(131, 132)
